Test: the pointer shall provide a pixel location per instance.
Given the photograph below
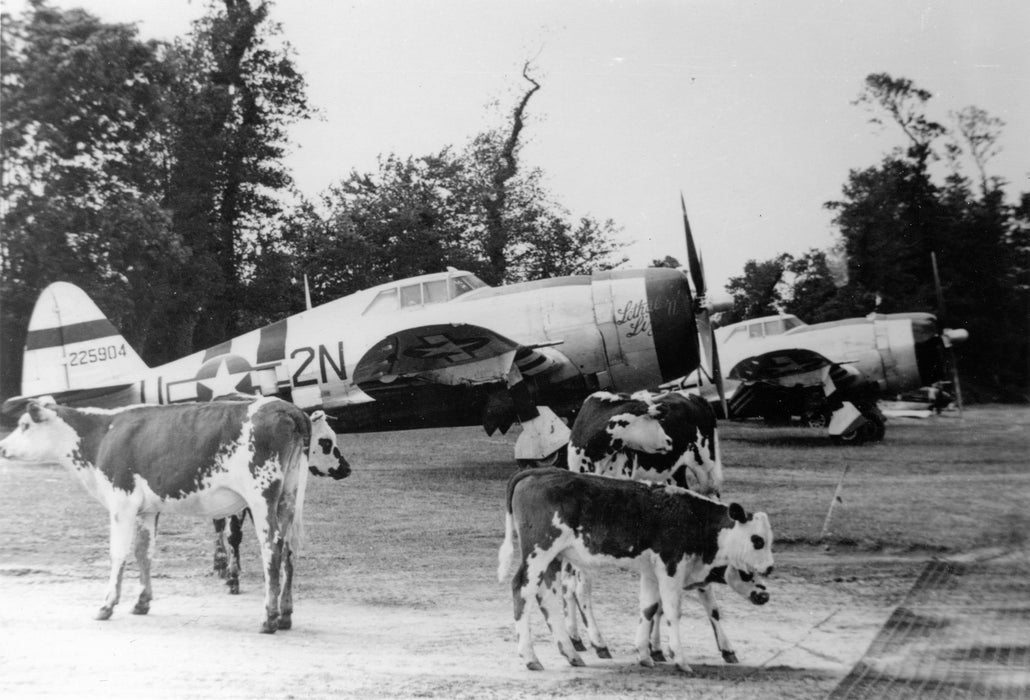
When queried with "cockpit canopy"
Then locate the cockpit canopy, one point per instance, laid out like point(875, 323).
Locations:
point(420, 291)
point(759, 328)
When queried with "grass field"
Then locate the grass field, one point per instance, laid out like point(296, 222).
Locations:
point(937, 484)
point(396, 588)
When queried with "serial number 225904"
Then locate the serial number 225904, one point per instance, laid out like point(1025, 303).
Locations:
point(101, 354)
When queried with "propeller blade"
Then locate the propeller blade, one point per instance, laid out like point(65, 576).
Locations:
point(717, 378)
point(941, 314)
point(955, 382)
point(703, 312)
point(694, 263)
point(947, 335)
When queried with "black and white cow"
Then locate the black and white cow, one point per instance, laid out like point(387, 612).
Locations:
point(694, 462)
point(673, 537)
point(666, 438)
point(208, 459)
point(324, 459)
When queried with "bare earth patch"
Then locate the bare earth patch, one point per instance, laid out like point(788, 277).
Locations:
point(396, 593)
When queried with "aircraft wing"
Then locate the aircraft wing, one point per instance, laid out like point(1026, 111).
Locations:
point(447, 353)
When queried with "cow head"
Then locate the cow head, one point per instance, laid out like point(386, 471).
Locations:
point(324, 457)
point(642, 432)
point(747, 585)
point(747, 544)
point(41, 435)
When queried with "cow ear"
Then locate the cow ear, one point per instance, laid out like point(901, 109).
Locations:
point(38, 412)
point(737, 513)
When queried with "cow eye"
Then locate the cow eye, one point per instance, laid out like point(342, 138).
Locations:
point(757, 541)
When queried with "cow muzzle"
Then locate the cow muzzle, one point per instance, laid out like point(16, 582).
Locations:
point(759, 596)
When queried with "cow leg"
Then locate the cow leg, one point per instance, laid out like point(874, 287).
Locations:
point(656, 637)
point(569, 583)
point(712, 610)
point(650, 604)
point(670, 589)
point(286, 595)
point(146, 544)
point(585, 595)
point(221, 558)
point(520, 589)
point(549, 599)
point(232, 575)
point(122, 530)
point(266, 524)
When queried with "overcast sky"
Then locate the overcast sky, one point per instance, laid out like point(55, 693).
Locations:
point(744, 107)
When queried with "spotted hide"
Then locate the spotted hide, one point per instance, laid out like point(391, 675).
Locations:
point(324, 459)
point(694, 462)
point(606, 439)
point(672, 537)
point(209, 459)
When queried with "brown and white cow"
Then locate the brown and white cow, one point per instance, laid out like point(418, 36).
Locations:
point(208, 459)
point(324, 459)
point(673, 537)
point(694, 462)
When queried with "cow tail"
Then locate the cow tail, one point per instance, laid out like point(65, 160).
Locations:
point(506, 553)
point(297, 468)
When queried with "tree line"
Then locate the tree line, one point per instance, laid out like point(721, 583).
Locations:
point(150, 174)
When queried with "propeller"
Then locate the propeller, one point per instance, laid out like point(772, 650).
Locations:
point(703, 311)
point(949, 336)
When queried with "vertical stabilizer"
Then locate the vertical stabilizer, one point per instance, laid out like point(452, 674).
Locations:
point(71, 346)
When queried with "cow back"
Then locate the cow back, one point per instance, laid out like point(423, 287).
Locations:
point(173, 448)
point(617, 517)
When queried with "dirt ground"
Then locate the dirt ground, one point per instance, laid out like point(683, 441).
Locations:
point(396, 593)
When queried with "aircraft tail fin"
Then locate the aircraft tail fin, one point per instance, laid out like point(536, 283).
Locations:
point(72, 346)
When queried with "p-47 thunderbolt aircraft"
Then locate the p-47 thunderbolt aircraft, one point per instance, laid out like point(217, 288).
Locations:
point(832, 374)
point(442, 349)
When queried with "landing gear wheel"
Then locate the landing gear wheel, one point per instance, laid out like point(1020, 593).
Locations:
point(877, 426)
point(815, 419)
point(559, 458)
point(852, 437)
point(872, 430)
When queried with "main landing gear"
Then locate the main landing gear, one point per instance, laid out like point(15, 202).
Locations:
point(855, 424)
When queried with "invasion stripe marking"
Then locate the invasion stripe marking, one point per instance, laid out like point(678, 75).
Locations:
point(272, 343)
point(73, 333)
point(222, 348)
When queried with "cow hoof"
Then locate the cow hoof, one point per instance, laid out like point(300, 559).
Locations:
point(234, 587)
point(657, 655)
point(269, 626)
point(603, 653)
point(285, 622)
point(140, 609)
point(647, 662)
point(576, 661)
point(104, 614)
point(534, 666)
point(684, 668)
point(578, 645)
point(730, 657)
